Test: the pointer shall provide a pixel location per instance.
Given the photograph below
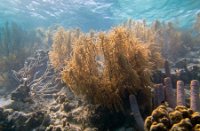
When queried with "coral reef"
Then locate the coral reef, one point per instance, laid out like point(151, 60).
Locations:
point(14, 120)
point(167, 119)
point(111, 70)
point(43, 102)
point(41, 99)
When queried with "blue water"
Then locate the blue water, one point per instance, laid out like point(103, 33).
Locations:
point(96, 14)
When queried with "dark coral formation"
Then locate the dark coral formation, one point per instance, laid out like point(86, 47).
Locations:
point(18, 121)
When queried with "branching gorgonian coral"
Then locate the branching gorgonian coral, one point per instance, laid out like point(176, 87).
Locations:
point(105, 66)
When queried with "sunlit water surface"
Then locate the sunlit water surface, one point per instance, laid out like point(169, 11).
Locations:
point(96, 14)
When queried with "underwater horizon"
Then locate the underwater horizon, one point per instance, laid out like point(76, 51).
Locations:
point(96, 14)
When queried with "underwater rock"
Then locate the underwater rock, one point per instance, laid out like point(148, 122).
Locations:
point(104, 119)
point(1, 113)
point(21, 93)
point(4, 123)
point(46, 120)
point(20, 106)
point(68, 106)
point(57, 128)
point(54, 128)
point(34, 120)
point(49, 128)
point(61, 99)
point(55, 108)
point(19, 121)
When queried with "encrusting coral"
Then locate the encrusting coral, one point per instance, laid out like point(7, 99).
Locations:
point(168, 119)
point(105, 66)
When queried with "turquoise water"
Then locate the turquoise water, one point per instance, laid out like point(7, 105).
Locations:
point(96, 14)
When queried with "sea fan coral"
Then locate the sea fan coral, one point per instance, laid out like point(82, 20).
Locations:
point(62, 47)
point(104, 67)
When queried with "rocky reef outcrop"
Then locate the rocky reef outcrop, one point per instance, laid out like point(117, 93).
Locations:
point(41, 102)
